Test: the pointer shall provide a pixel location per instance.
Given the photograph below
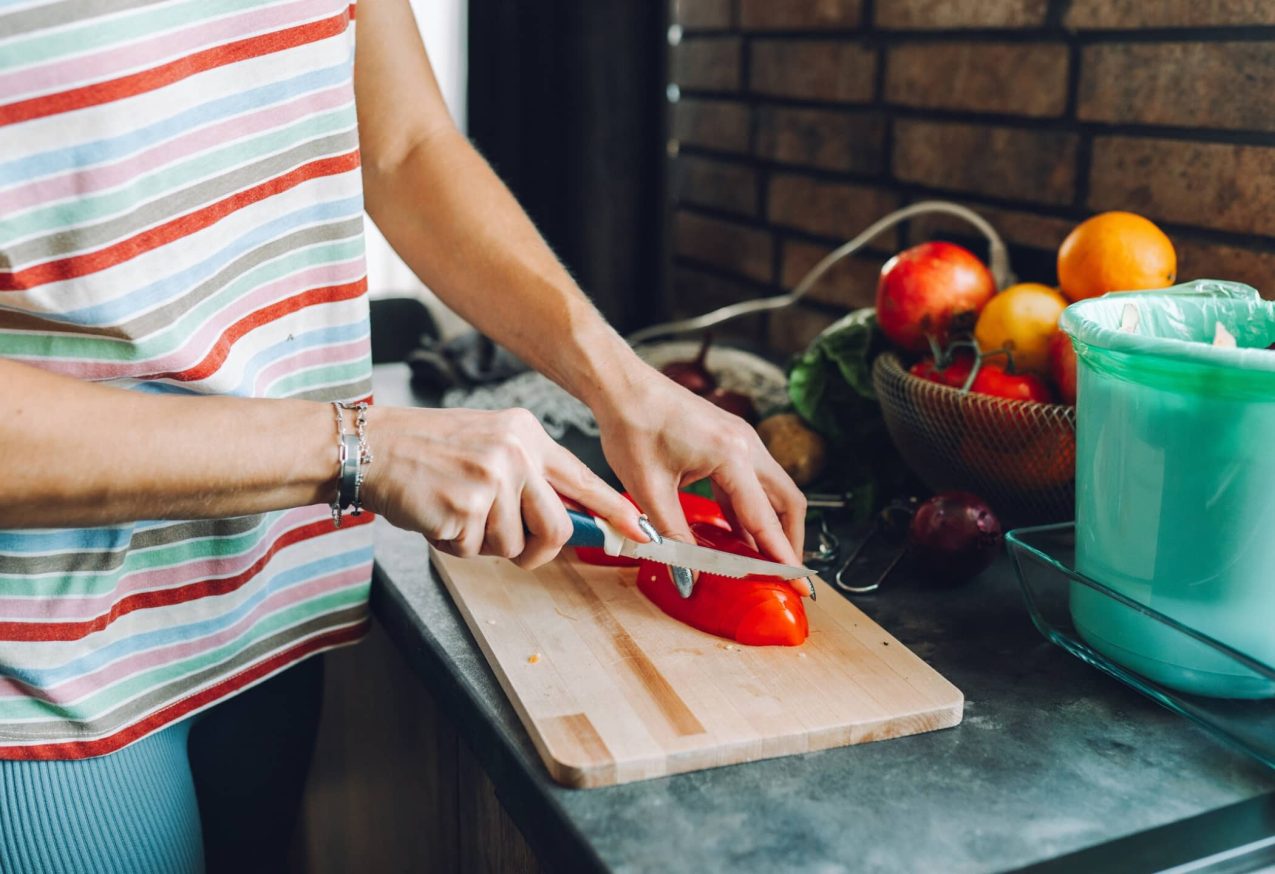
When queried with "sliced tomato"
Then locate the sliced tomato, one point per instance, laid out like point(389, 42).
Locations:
point(757, 611)
point(696, 508)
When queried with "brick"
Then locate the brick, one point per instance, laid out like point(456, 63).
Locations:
point(714, 124)
point(824, 138)
point(850, 283)
point(1016, 78)
point(1033, 165)
point(1198, 259)
point(697, 14)
point(739, 249)
point(798, 14)
point(708, 182)
point(813, 69)
point(708, 63)
point(791, 329)
point(832, 209)
point(1215, 84)
point(696, 292)
point(1014, 226)
point(942, 14)
point(1133, 14)
point(1208, 184)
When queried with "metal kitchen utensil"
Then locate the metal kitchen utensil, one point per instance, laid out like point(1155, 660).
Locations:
point(590, 531)
point(827, 547)
point(891, 524)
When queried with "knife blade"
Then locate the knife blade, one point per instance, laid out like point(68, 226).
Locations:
point(590, 531)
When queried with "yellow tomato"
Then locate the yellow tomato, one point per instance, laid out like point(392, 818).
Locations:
point(1022, 317)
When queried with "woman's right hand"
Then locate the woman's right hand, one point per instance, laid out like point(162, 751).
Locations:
point(477, 482)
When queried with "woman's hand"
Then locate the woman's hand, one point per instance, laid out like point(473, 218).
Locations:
point(659, 437)
point(482, 483)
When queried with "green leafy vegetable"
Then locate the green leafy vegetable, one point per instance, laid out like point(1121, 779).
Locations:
point(830, 385)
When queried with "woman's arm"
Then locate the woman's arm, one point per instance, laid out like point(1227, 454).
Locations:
point(78, 453)
point(458, 227)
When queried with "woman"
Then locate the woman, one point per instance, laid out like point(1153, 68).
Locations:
point(182, 298)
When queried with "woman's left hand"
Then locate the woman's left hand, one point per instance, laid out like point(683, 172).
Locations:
point(659, 437)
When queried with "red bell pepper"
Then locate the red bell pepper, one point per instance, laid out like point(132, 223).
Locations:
point(696, 508)
point(757, 611)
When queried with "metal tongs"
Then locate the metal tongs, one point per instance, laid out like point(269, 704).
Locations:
point(891, 525)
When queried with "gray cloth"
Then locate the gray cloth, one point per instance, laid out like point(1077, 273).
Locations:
point(465, 361)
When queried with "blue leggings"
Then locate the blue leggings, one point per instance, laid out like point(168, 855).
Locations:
point(218, 792)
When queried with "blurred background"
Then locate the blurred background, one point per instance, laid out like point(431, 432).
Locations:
point(799, 122)
point(683, 156)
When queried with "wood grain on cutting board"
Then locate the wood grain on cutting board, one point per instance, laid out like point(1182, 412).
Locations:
point(612, 690)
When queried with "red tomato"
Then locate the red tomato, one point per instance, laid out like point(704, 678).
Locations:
point(992, 379)
point(995, 380)
point(757, 611)
point(953, 376)
point(1062, 366)
point(697, 508)
point(921, 289)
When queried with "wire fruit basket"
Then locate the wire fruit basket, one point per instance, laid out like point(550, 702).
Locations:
point(1019, 456)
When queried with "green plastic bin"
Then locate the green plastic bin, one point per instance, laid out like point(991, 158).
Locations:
point(1175, 480)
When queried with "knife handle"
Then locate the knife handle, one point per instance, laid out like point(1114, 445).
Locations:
point(588, 530)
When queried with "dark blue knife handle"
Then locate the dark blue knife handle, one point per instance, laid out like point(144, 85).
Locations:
point(585, 530)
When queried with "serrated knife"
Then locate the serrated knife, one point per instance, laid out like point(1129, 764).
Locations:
point(590, 531)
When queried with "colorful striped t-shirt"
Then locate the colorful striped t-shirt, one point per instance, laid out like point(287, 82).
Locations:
point(180, 213)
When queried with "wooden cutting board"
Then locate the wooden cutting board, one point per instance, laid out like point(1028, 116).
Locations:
point(612, 690)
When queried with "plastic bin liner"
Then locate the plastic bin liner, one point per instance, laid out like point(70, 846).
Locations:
point(1175, 479)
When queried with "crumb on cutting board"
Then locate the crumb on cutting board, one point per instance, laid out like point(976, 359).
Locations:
point(533, 658)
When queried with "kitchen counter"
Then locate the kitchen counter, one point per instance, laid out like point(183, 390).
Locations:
point(1052, 757)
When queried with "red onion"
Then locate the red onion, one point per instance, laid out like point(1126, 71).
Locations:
point(693, 375)
point(955, 536)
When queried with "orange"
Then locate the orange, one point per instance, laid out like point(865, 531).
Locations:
point(1022, 317)
point(1115, 251)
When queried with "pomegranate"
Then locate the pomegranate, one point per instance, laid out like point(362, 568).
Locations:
point(922, 289)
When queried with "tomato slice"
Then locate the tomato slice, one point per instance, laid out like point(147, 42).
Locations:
point(757, 611)
point(697, 509)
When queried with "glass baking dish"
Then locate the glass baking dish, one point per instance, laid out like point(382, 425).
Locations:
point(1044, 558)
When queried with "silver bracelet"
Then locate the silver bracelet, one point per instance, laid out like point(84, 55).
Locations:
point(353, 455)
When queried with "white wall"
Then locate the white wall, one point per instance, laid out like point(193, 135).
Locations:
point(444, 26)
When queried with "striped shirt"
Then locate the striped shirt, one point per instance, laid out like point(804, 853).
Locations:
point(180, 213)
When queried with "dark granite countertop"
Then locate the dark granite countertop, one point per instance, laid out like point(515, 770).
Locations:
point(1052, 756)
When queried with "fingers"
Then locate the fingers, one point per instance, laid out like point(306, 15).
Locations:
point(751, 506)
point(573, 479)
point(723, 501)
point(658, 498)
point(547, 525)
point(504, 533)
point(789, 502)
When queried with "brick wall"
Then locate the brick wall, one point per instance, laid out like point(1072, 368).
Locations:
point(795, 123)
